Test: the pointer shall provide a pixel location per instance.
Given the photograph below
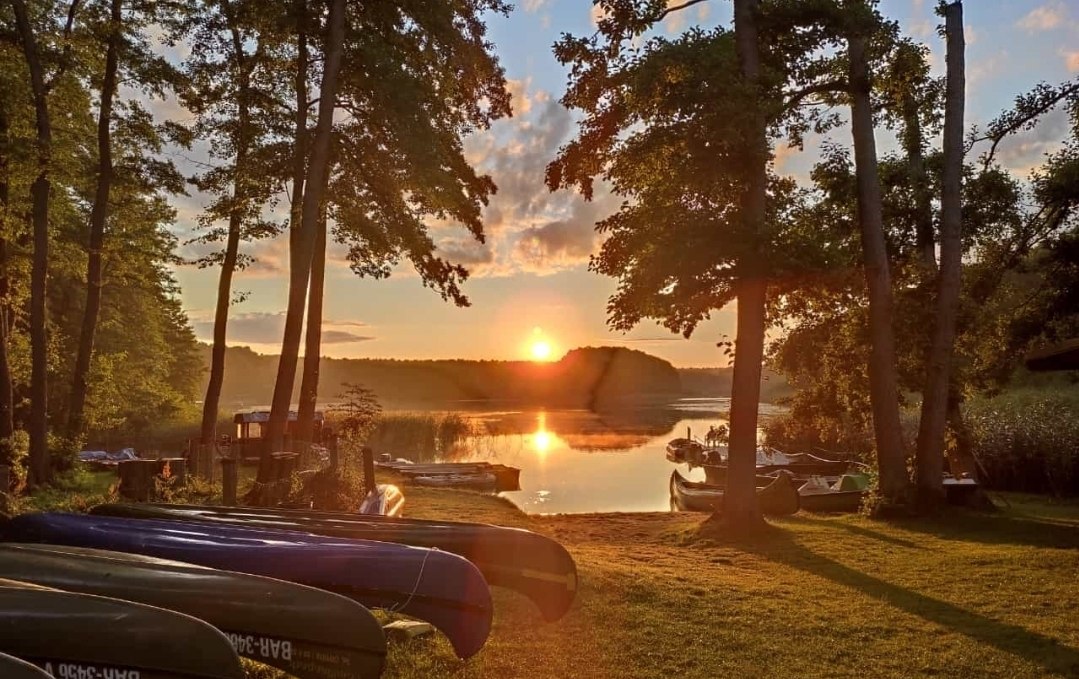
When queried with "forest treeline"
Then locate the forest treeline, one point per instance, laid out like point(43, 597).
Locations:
point(592, 377)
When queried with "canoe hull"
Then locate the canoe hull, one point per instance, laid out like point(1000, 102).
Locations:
point(443, 589)
point(76, 635)
point(307, 632)
point(532, 564)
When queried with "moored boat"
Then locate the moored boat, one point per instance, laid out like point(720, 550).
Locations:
point(481, 481)
point(777, 498)
point(307, 632)
point(529, 563)
point(82, 635)
point(684, 450)
point(440, 588)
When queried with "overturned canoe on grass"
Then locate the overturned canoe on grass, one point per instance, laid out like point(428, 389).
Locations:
point(307, 632)
point(13, 668)
point(833, 501)
point(529, 563)
point(82, 635)
point(778, 498)
point(442, 589)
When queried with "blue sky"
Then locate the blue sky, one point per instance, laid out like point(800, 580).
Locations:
point(531, 280)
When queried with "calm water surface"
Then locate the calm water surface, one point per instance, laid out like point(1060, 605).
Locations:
point(576, 461)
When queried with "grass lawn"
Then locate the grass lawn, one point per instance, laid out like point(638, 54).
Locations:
point(668, 595)
point(665, 595)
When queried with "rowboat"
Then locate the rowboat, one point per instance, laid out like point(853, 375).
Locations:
point(81, 635)
point(442, 589)
point(307, 632)
point(505, 477)
point(832, 501)
point(13, 668)
point(801, 466)
point(517, 559)
point(684, 450)
point(481, 481)
point(777, 498)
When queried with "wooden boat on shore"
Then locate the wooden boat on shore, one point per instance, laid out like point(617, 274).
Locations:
point(684, 450)
point(482, 481)
point(440, 588)
point(777, 498)
point(527, 562)
point(802, 466)
point(309, 633)
point(82, 635)
point(506, 478)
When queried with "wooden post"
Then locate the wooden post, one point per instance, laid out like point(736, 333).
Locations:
point(228, 481)
point(137, 479)
point(331, 444)
point(368, 469)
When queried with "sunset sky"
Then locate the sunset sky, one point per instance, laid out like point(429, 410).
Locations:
point(530, 282)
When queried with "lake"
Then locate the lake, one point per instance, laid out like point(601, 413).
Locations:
point(575, 461)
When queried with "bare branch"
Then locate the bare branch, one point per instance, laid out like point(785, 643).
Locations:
point(794, 99)
point(65, 56)
point(1016, 123)
point(675, 8)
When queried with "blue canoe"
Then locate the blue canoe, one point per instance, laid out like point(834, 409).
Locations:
point(443, 589)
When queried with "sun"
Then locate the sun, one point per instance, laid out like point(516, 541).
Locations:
point(541, 350)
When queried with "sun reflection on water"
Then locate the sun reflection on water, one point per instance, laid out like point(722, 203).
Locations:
point(542, 440)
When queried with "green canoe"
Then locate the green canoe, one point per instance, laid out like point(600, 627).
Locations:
point(13, 668)
point(80, 635)
point(307, 632)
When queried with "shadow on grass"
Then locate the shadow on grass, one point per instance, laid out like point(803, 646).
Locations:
point(860, 531)
point(995, 529)
point(777, 545)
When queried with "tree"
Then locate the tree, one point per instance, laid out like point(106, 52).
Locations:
point(883, 379)
point(682, 129)
point(397, 164)
point(930, 457)
point(232, 92)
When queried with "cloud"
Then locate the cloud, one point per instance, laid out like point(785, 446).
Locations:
point(598, 13)
point(518, 90)
point(528, 228)
point(532, 6)
point(267, 328)
point(1025, 151)
point(1044, 18)
point(1071, 60)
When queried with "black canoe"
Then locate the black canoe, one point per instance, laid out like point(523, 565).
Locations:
point(778, 497)
point(13, 668)
point(527, 562)
point(81, 635)
point(304, 631)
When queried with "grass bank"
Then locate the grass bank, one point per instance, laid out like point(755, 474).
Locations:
point(972, 595)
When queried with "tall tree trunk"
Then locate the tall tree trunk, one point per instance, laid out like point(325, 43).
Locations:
point(883, 379)
point(314, 184)
point(40, 468)
point(930, 462)
point(7, 396)
point(305, 416)
point(740, 506)
point(212, 401)
point(98, 217)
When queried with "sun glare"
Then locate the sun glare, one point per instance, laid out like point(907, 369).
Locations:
point(541, 350)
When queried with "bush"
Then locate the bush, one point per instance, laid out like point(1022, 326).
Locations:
point(1028, 441)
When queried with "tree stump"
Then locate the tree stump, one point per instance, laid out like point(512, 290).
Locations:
point(137, 479)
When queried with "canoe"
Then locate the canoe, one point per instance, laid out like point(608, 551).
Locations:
point(80, 635)
point(13, 668)
point(832, 501)
point(690, 496)
point(304, 631)
point(529, 563)
point(803, 469)
point(385, 500)
point(442, 589)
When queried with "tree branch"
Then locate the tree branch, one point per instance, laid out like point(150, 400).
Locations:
point(795, 98)
point(675, 8)
point(998, 135)
point(65, 56)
